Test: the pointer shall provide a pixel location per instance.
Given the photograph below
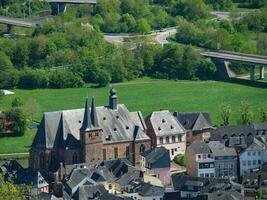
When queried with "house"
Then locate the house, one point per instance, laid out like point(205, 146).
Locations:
point(164, 130)
point(156, 162)
point(191, 187)
point(225, 160)
point(200, 160)
point(89, 136)
point(225, 133)
point(143, 191)
point(253, 156)
point(260, 128)
point(255, 181)
point(197, 124)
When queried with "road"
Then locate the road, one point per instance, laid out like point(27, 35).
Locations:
point(17, 22)
point(239, 57)
point(221, 15)
point(72, 1)
point(160, 36)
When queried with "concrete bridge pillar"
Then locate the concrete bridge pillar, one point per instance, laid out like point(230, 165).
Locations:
point(261, 72)
point(252, 72)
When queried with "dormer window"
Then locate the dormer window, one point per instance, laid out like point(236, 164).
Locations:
point(127, 127)
point(117, 117)
point(171, 126)
point(159, 128)
point(104, 118)
point(80, 121)
point(163, 121)
point(115, 129)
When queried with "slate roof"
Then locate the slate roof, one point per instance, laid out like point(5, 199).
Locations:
point(200, 148)
point(226, 195)
point(195, 121)
point(219, 149)
point(223, 132)
point(120, 124)
point(260, 126)
point(89, 192)
point(164, 123)
point(158, 154)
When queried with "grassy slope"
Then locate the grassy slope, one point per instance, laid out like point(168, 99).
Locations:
point(146, 95)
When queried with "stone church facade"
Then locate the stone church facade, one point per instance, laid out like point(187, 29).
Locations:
point(89, 135)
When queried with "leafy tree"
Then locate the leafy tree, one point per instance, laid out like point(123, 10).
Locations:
point(225, 112)
point(30, 108)
point(5, 62)
point(262, 44)
point(142, 26)
point(206, 70)
point(246, 114)
point(263, 113)
point(18, 119)
point(17, 102)
point(8, 191)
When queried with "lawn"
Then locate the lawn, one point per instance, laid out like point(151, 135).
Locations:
point(146, 95)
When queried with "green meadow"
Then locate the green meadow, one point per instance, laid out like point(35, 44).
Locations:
point(144, 95)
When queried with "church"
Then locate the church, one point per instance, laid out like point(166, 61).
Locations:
point(90, 135)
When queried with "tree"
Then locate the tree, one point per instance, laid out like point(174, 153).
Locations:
point(246, 114)
point(143, 26)
point(263, 112)
point(5, 63)
point(17, 102)
point(18, 119)
point(8, 191)
point(225, 113)
point(262, 44)
point(206, 70)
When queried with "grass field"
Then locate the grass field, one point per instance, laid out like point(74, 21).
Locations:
point(145, 95)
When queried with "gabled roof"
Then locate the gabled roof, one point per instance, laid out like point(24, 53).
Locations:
point(194, 120)
point(200, 147)
point(164, 123)
point(117, 125)
point(219, 149)
point(158, 154)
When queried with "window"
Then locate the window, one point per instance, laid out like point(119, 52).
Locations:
point(249, 162)
point(179, 138)
point(204, 156)
point(259, 153)
point(244, 163)
point(249, 153)
point(173, 139)
point(115, 152)
point(172, 152)
point(254, 162)
point(259, 162)
point(199, 156)
point(96, 134)
point(167, 139)
point(74, 158)
point(127, 152)
point(161, 140)
point(104, 154)
point(254, 153)
point(142, 148)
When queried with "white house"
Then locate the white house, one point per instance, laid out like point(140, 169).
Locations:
point(164, 130)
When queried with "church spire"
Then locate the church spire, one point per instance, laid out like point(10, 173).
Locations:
point(86, 118)
point(93, 113)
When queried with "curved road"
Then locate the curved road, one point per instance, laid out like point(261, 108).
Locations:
point(159, 36)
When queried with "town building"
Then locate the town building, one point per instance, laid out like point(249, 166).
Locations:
point(253, 156)
point(164, 130)
point(197, 124)
point(200, 161)
point(156, 162)
point(89, 136)
point(225, 160)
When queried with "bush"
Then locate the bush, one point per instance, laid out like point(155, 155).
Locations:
point(64, 79)
point(180, 160)
point(33, 79)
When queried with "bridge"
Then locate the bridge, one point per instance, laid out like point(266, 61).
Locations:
point(249, 59)
point(17, 22)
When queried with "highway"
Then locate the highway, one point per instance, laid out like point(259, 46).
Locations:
point(239, 57)
point(17, 22)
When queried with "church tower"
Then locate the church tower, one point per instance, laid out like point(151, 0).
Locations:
point(91, 135)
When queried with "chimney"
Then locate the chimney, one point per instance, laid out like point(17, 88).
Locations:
point(113, 99)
